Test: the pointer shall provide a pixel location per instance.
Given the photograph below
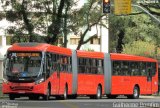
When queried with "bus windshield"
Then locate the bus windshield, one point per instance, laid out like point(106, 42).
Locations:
point(23, 64)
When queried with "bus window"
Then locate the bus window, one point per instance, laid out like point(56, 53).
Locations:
point(69, 64)
point(93, 66)
point(81, 65)
point(116, 67)
point(153, 69)
point(142, 67)
point(134, 68)
point(100, 67)
point(125, 68)
point(88, 69)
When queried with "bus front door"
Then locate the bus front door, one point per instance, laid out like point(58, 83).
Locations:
point(55, 79)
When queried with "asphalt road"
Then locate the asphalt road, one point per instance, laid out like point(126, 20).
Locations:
point(83, 102)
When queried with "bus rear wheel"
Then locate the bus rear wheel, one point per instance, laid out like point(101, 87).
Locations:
point(98, 95)
point(135, 94)
point(99, 92)
point(65, 94)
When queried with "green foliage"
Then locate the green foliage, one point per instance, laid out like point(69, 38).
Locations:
point(136, 27)
point(142, 28)
point(140, 48)
point(51, 17)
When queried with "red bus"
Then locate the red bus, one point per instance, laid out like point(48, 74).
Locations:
point(39, 69)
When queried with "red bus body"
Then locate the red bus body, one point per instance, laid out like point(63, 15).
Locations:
point(125, 84)
point(79, 78)
point(88, 83)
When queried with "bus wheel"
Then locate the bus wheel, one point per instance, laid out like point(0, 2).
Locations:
point(11, 96)
point(135, 94)
point(46, 97)
point(99, 92)
point(65, 94)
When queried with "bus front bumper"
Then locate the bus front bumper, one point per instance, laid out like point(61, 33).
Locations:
point(23, 88)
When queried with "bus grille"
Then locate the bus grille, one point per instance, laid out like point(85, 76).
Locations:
point(22, 88)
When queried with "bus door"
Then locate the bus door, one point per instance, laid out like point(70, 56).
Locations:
point(53, 72)
point(149, 78)
point(56, 74)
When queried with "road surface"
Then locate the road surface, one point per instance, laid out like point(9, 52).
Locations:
point(83, 102)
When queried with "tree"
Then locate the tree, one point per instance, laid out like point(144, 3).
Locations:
point(153, 8)
point(88, 16)
point(44, 16)
point(52, 18)
point(133, 27)
point(140, 48)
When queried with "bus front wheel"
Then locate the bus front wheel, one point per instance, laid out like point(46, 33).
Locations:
point(47, 95)
point(11, 96)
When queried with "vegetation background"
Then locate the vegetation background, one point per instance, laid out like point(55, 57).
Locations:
point(136, 33)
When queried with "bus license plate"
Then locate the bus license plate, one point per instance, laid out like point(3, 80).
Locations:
point(21, 92)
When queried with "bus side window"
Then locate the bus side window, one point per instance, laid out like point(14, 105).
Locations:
point(54, 67)
point(69, 65)
point(116, 68)
point(125, 68)
point(142, 66)
point(134, 68)
point(88, 70)
point(100, 67)
point(81, 68)
point(153, 69)
point(93, 66)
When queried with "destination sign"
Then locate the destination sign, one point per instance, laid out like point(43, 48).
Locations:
point(27, 54)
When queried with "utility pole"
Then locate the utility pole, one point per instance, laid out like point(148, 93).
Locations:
point(104, 33)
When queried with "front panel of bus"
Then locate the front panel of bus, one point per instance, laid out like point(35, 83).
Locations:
point(23, 73)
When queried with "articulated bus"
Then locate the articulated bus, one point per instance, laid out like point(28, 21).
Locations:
point(41, 70)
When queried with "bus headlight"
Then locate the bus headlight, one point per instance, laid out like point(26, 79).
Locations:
point(39, 81)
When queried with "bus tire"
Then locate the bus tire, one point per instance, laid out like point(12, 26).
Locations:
point(47, 95)
point(11, 97)
point(136, 93)
point(99, 92)
point(65, 94)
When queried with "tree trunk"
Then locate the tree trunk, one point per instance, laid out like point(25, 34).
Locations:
point(65, 24)
point(29, 26)
point(120, 43)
